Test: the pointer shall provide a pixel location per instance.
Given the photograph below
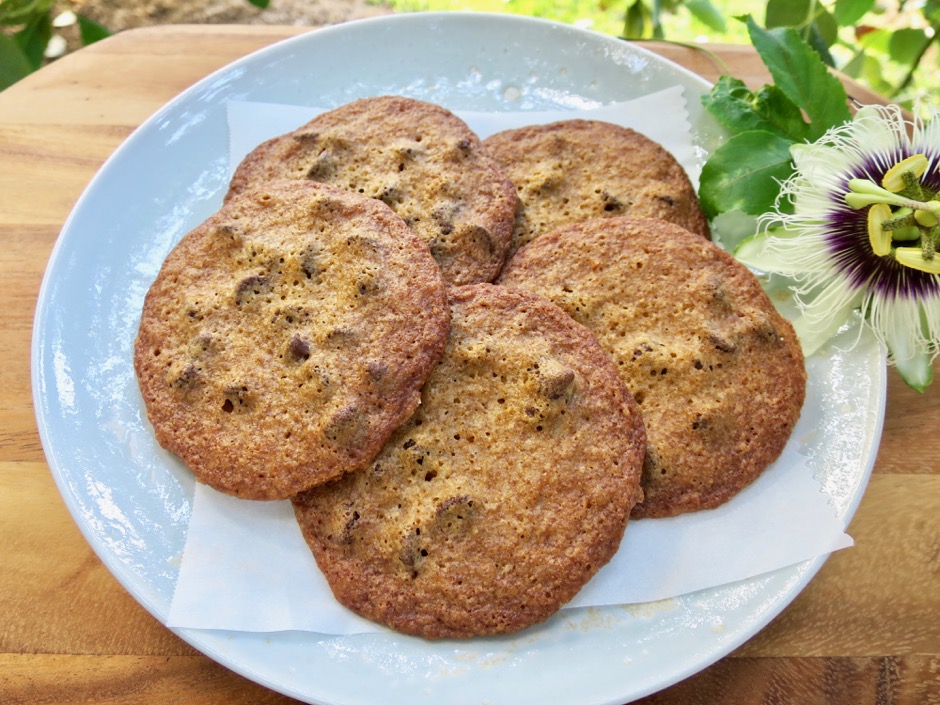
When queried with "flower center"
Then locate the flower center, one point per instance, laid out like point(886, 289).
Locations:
point(903, 214)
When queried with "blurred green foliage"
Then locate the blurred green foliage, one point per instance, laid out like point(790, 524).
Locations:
point(891, 46)
point(27, 29)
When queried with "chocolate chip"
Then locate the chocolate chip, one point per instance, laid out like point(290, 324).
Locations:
point(555, 380)
point(323, 169)
point(236, 397)
point(459, 507)
point(612, 204)
point(721, 344)
point(349, 527)
point(377, 370)
point(307, 138)
point(309, 262)
point(346, 425)
point(298, 349)
point(187, 377)
point(251, 286)
point(341, 337)
point(409, 551)
point(667, 199)
point(391, 196)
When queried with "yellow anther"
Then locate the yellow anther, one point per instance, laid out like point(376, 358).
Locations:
point(893, 179)
point(913, 257)
point(879, 238)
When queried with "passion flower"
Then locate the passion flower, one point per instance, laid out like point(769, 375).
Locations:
point(856, 228)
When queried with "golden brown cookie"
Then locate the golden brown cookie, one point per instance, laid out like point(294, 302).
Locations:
point(575, 170)
point(718, 373)
point(505, 492)
point(417, 157)
point(286, 337)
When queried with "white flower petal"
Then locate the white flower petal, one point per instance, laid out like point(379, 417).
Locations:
point(731, 227)
point(926, 136)
point(826, 304)
point(755, 252)
point(799, 241)
point(822, 163)
point(56, 47)
point(880, 129)
point(792, 252)
point(813, 338)
point(930, 322)
point(64, 19)
point(916, 370)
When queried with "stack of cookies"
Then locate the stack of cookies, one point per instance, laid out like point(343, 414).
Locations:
point(467, 363)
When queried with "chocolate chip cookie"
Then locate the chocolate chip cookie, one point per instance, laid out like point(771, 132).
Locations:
point(717, 372)
point(287, 336)
point(574, 170)
point(420, 159)
point(505, 492)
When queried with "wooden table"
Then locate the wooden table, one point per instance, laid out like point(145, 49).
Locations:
point(865, 631)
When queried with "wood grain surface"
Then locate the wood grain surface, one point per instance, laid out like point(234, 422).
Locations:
point(866, 631)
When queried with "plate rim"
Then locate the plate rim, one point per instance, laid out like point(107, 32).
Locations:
point(38, 360)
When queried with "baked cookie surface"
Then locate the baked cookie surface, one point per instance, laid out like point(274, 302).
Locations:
point(718, 373)
point(420, 159)
point(504, 493)
point(574, 170)
point(287, 336)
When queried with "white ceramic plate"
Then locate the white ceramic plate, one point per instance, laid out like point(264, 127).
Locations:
point(132, 501)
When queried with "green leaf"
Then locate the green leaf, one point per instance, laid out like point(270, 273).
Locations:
point(906, 45)
point(877, 40)
point(821, 44)
point(263, 4)
point(706, 13)
point(854, 67)
point(873, 76)
point(34, 38)
point(802, 76)
point(739, 109)
point(744, 173)
point(788, 13)
point(13, 62)
point(848, 12)
point(19, 12)
point(810, 18)
point(825, 26)
point(931, 10)
point(774, 105)
point(91, 31)
point(638, 23)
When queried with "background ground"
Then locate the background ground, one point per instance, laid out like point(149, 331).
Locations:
point(118, 15)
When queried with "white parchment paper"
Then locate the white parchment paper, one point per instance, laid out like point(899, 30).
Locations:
point(246, 567)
